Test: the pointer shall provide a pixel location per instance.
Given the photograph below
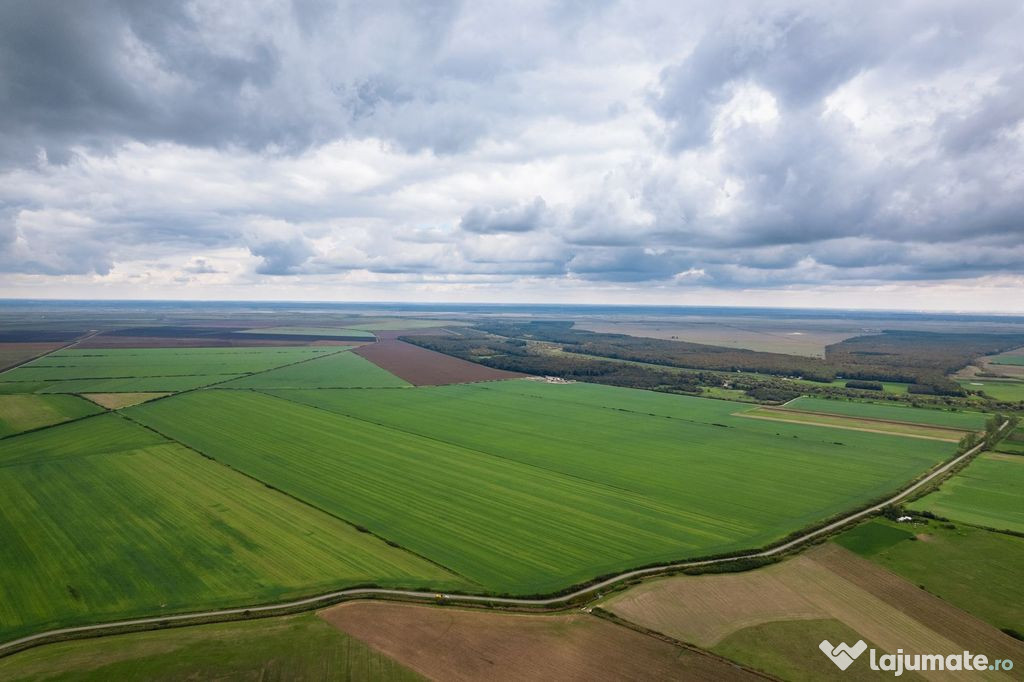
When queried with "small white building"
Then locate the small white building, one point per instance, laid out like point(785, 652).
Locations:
point(904, 519)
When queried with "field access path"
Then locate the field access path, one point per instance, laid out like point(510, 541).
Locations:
point(555, 602)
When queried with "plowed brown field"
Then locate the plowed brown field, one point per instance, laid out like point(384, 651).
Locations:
point(457, 644)
point(422, 367)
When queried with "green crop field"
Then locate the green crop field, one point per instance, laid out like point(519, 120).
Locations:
point(25, 412)
point(529, 487)
point(347, 333)
point(341, 370)
point(156, 362)
point(1005, 389)
point(974, 569)
point(989, 493)
point(104, 519)
point(146, 369)
point(969, 421)
point(845, 422)
point(1008, 360)
point(301, 647)
point(1013, 443)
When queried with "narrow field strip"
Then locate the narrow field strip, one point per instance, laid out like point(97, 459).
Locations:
point(853, 424)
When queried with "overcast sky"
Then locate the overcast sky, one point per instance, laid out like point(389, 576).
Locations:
point(770, 153)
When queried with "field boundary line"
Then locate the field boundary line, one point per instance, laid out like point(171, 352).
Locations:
point(747, 415)
point(294, 498)
point(783, 408)
point(89, 335)
point(555, 602)
point(436, 439)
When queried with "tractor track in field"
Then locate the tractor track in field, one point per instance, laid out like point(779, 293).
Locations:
point(453, 599)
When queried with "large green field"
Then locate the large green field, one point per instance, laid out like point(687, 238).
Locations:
point(25, 412)
point(974, 569)
point(529, 487)
point(970, 421)
point(146, 369)
point(301, 647)
point(104, 519)
point(341, 370)
point(999, 389)
point(989, 493)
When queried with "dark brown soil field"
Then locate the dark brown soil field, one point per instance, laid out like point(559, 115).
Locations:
point(422, 367)
point(14, 353)
point(455, 644)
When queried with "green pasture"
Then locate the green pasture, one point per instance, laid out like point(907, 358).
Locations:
point(26, 412)
point(103, 519)
point(132, 370)
point(988, 493)
point(341, 370)
point(301, 647)
point(1006, 389)
point(968, 421)
point(847, 422)
point(156, 362)
point(528, 487)
point(1008, 360)
point(972, 568)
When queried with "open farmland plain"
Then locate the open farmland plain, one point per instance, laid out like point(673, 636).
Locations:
point(26, 412)
point(146, 369)
point(460, 644)
point(964, 421)
point(943, 559)
point(423, 367)
point(16, 353)
point(854, 423)
point(988, 493)
point(327, 332)
point(104, 519)
point(301, 647)
point(527, 487)
point(826, 591)
point(338, 370)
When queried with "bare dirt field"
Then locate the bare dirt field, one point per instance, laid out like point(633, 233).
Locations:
point(422, 367)
point(826, 583)
point(115, 401)
point(15, 353)
point(457, 644)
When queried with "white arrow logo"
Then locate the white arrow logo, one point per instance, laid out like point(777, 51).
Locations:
point(841, 654)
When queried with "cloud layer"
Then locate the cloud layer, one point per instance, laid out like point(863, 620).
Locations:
point(652, 154)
